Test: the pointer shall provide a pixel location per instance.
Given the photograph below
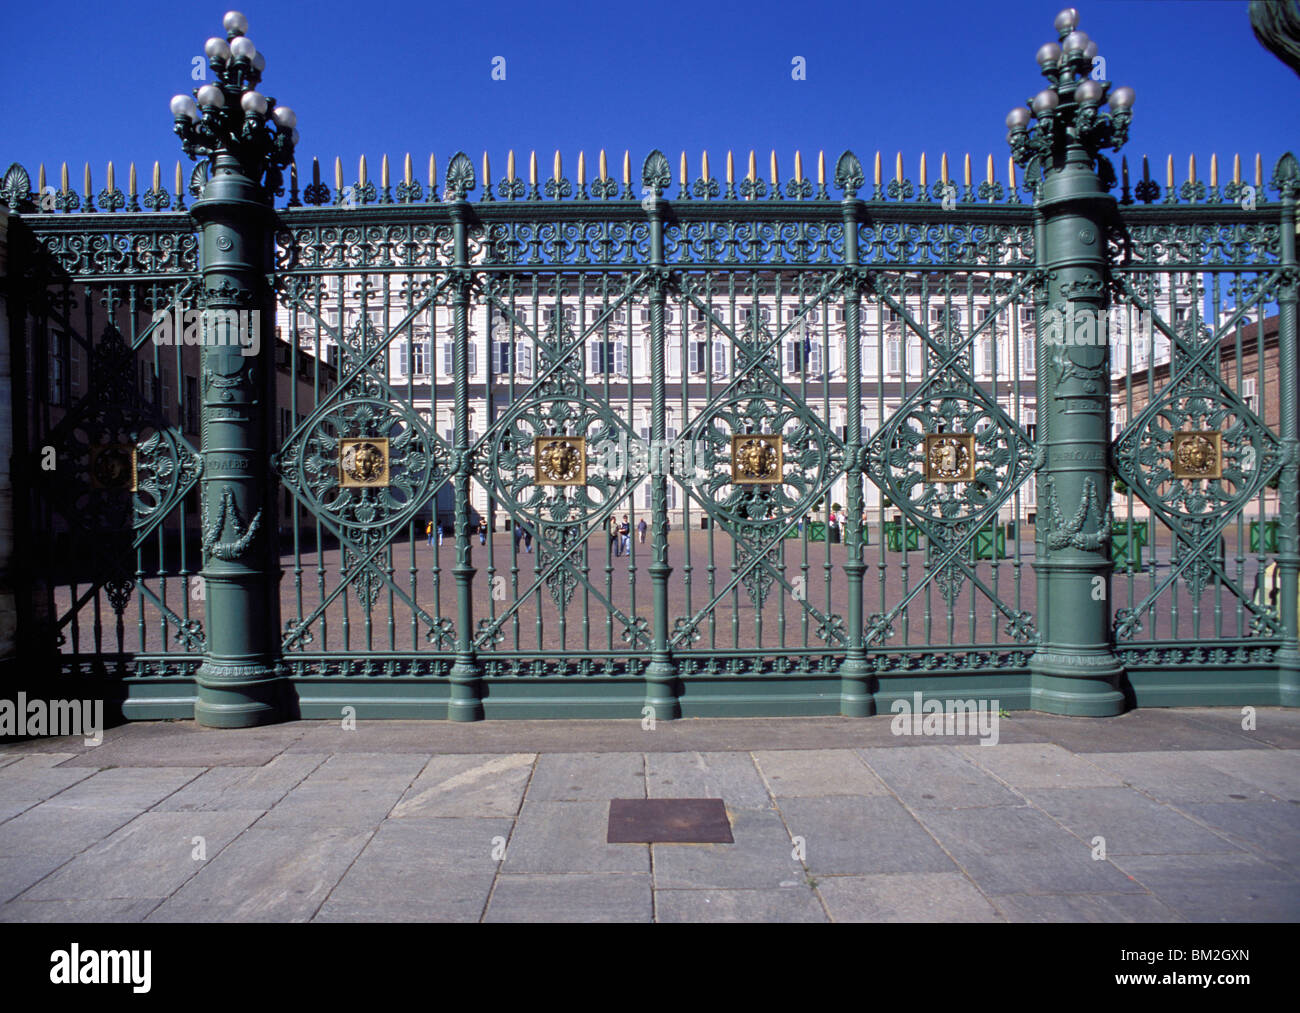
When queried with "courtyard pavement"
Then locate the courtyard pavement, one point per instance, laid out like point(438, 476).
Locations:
point(1155, 816)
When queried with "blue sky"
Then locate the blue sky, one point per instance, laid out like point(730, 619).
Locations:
point(397, 76)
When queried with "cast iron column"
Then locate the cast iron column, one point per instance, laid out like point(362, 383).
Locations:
point(856, 699)
point(1074, 670)
point(661, 672)
point(466, 679)
point(1286, 177)
point(240, 682)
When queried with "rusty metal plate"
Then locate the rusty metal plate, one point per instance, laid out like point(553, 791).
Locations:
point(668, 821)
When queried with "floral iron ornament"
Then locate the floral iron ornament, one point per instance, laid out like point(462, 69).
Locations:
point(1068, 110)
point(232, 116)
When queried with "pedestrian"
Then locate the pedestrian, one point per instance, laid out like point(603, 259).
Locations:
point(522, 534)
point(614, 541)
point(641, 529)
point(482, 532)
point(528, 539)
point(428, 531)
point(625, 536)
point(439, 534)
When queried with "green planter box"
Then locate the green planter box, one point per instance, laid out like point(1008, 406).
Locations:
point(816, 531)
point(894, 537)
point(1126, 542)
point(1270, 536)
point(793, 532)
point(990, 539)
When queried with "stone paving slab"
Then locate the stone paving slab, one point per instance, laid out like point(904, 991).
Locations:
point(1218, 888)
point(486, 784)
point(848, 836)
point(271, 875)
point(150, 858)
point(1080, 907)
point(1021, 850)
point(1270, 829)
point(242, 787)
point(356, 790)
point(600, 897)
point(569, 837)
point(587, 777)
point(937, 777)
point(125, 787)
point(1130, 822)
point(1274, 726)
point(77, 912)
point(1044, 765)
point(728, 776)
point(1179, 778)
point(185, 743)
point(787, 904)
point(814, 772)
point(1156, 729)
point(909, 897)
point(34, 778)
point(1277, 771)
point(761, 858)
point(421, 870)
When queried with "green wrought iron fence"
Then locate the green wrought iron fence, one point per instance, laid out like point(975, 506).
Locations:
point(474, 382)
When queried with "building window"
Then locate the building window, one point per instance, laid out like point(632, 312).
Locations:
point(719, 358)
point(448, 358)
point(609, 357)
point(893, 356)
point(796, 355)
point(57, 368)
point(696, 354)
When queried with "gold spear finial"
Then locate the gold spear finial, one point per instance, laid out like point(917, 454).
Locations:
point(603, 165)
point(510, 164)
point(383, 172)
point(989, 171)
point(487, 170)
point(627, 167)
point(1169, 172)
point(877, 170)
point(966, 171)
point(704, 165)
point(110, 177)
point(1236, 168)
point(731, 167)
point(63, 177)
point(1191, 168)
point(1259, 171)
point(40, 180)
point(582, 168)
point(1214, 169)
point(408, 170)
point(87, 179)
point(774, 176)
point(532, 168)
point(157, 176)
point(821, 168)
point(684, 170)
point(130, 179)
point(433, 173)
point(753, 174)
point(361, 171)
point(898, 168)
point(798, 166)
point(338, 173)
point(179, 179)
point(558, 173)
point(924, 176)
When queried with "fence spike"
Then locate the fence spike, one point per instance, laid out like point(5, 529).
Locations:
point(87, 179)
point(407, 169)
point(180, 180)
point(1214, 169)
point(924, 175)
point(603, 166)
point(532, 168)
point(753, 174)
point(1191, 168)
point(582, 168)
point(157, 176)
point(63, 178)
point(1236, 168)
point(898, 168)
point(383, 172)
point(684, 172)
point(433, 173)
point(361, 171)
point(487, 170)
point(110, 176)
point(1011, 172)
point(627, 167)
point(1259, 172)
point(510, 164)
point(798, 166)
point(558, 173)
point(704, 165)
point(731, 167)
point(1169, 172)
point(943, 168)
point(988, 175)
point(966, 171)
point(338, 173)
point(130, 180)
point(877, 179)
point(821, 168)
point(40, 181)
point(774, 175)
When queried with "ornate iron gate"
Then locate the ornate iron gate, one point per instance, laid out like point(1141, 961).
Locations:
point(845, 432)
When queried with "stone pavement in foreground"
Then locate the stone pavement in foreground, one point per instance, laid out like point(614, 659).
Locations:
point(506, 821)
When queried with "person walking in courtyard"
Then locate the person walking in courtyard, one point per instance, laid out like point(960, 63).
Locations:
point(614, 541)
point(482, 532)
point(625, 536)
point(428, 531)
point(641, 529)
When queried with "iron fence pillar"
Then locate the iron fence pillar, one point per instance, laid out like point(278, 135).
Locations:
point(241, 682)
point(1286, 177)
point(1075, 670)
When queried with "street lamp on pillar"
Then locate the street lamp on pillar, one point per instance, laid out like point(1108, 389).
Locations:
point(1069, 110)
point(232, 116)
